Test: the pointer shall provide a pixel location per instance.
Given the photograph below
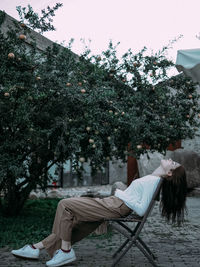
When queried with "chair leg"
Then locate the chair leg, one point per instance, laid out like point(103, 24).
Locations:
point(146, 247)
point(121, 230)
point(117, 259)
point(120, 248)
point(141, 247)
point(123, 252)
point(124, 233)
point(137, 241)
point(150, 258)
point(128, 229)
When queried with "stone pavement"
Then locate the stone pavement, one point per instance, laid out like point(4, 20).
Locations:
point(173, 246)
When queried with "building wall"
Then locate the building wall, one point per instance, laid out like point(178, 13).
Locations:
point(117, 171)
point(41, 42)
point(193, 144)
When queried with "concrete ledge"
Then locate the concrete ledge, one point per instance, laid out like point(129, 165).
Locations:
point(195, 192)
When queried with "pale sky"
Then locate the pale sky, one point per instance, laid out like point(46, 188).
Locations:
point(133, 23)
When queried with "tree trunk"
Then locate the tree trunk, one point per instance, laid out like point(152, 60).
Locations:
point(14, 200)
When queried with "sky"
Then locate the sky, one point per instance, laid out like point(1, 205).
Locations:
point(133, 23)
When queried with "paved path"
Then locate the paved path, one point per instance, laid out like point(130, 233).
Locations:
point(174, 247)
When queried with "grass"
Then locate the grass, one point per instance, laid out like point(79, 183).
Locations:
point(32, 225)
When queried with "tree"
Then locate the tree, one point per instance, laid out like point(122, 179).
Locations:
point(57, 106)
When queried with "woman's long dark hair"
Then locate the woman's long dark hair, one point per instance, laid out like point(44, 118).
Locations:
point(173, 197)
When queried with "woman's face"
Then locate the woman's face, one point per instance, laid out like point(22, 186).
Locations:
point(168, 165)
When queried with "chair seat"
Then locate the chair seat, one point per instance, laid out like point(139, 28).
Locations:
point(130, 218)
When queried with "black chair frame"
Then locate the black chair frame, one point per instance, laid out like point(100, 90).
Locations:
point(132, 236)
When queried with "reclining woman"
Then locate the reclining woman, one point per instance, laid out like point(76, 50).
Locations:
point(77, 217)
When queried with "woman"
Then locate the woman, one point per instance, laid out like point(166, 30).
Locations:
point(77, 217)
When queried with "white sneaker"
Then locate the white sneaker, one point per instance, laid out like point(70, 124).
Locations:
point(61, 258)
point(26, 252)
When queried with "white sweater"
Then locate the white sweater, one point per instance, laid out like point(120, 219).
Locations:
point(139, 193)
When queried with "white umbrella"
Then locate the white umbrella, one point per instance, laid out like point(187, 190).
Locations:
point(188, 61)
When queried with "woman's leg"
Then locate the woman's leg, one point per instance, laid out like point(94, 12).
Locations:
point(38, 245)
point(83, 229)
point(65, 245)
point(53, 242)
point(74, 214)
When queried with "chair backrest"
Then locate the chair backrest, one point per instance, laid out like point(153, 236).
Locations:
point(155, 198)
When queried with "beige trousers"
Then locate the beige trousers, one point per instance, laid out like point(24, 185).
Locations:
point(78, 217)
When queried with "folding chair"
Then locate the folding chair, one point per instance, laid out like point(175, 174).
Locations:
point(133, 235)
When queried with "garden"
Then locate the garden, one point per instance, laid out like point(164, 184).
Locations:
point(57, 106)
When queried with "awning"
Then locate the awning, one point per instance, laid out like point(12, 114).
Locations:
point(188, 61)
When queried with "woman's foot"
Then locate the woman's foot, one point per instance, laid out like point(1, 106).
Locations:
point(27, 252)
point(61, 258)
